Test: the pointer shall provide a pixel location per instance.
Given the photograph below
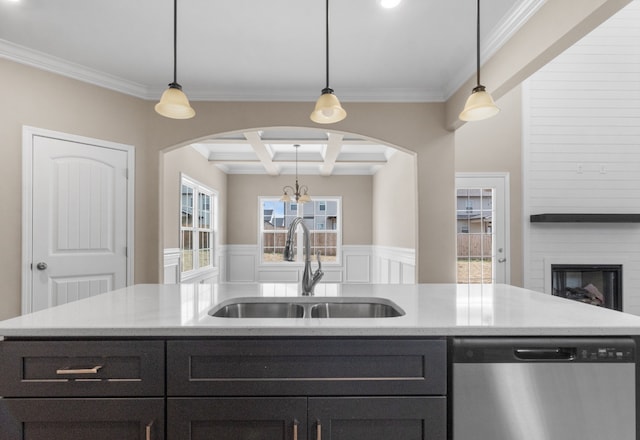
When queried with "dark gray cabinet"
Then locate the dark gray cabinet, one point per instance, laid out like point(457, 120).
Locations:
point(70, 390)
point(232, 418)
point(292, 418)
point(224, 388)
point(290, 389)
point(377, 418)
point(81, 419)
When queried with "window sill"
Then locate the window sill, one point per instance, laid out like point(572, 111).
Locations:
point(299, 264)
point(198, 275)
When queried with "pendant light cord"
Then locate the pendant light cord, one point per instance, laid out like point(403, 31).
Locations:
point(477, 43)
point(175, 39)
point(297, 146)
point(327, 40)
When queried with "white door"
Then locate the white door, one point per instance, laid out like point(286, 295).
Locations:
point(482, 228)
point(79, 218)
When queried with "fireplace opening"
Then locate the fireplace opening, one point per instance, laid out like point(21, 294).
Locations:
point(597, 284)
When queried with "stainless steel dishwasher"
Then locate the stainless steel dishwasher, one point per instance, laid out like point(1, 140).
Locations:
point(544, 389)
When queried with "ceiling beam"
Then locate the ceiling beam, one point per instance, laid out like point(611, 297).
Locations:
point(261, 151)
point(534, 45)
point(334, 145)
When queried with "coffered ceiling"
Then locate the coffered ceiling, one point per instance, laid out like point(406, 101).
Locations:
point(273, 152)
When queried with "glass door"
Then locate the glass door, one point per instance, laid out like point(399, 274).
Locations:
point(481, 229)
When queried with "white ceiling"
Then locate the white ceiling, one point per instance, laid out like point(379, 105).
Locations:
point(421, 51)
point(266, 50)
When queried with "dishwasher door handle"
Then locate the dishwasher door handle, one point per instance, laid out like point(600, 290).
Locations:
point(545, 354)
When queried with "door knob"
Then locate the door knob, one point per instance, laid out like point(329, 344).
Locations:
point(41, 265)
point(502, 260)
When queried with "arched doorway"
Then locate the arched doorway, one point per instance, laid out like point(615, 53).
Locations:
point(377, 224)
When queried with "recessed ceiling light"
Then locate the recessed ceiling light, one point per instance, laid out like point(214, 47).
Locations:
point(389, 3)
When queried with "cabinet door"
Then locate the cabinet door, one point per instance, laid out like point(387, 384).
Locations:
point(82, 419)
point(377, 418)
point(236, 418)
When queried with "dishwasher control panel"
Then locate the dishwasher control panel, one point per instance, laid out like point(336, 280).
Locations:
point(472, 350)
point(602, 353)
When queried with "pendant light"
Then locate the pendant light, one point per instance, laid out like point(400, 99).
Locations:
point(174, 103)
point(328, 109)
point(480, 104)
point(299, 193)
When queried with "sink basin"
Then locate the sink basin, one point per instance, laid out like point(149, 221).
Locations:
point(307, 307)
point(259, 310)
point(355, 310)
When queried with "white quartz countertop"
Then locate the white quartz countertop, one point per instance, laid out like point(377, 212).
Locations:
point(150, 310)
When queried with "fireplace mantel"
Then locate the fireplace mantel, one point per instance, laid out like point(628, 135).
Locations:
point(585, 218)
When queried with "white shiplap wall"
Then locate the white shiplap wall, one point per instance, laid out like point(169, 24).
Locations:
point(582, 152)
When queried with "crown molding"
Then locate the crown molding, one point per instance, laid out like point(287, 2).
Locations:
point(511, 23)
point(40, 60)
point(505, 30)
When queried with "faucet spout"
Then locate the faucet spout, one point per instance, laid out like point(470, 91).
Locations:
point(309, 278)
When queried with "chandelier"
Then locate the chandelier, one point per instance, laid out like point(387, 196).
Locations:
point(299, 193)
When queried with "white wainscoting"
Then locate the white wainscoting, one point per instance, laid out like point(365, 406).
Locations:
point(393, 265)
point(358, 264)
point(172, 274)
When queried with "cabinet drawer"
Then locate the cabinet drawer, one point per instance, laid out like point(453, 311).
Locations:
point(306, 367)
point(81, 368)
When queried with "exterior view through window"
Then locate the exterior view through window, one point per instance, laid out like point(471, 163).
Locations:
point(196, 226)
point(321, 216)
point(474, 214)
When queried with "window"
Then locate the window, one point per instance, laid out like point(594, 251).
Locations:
point(197, 225)
point(322, 218)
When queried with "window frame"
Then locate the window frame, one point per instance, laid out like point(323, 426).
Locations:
point(299, 237)
point(198, 190)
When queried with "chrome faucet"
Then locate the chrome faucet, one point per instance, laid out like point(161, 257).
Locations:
point(309, 278)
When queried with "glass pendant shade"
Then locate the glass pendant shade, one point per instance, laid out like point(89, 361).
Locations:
point(304, 198)
point(328, 109)
point(175, 104)
point(285, 198)
point(479, 106)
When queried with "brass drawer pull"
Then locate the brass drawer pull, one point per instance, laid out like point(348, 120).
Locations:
point(295, 430)
point(319, 431)
point(93, 370)
point(148, 431)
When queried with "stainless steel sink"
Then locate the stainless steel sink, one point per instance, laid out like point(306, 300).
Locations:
point(307, 307)
point(259, 310)
point(355, 310)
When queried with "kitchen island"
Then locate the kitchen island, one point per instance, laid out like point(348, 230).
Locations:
point(150, 362)
point(430, 310)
